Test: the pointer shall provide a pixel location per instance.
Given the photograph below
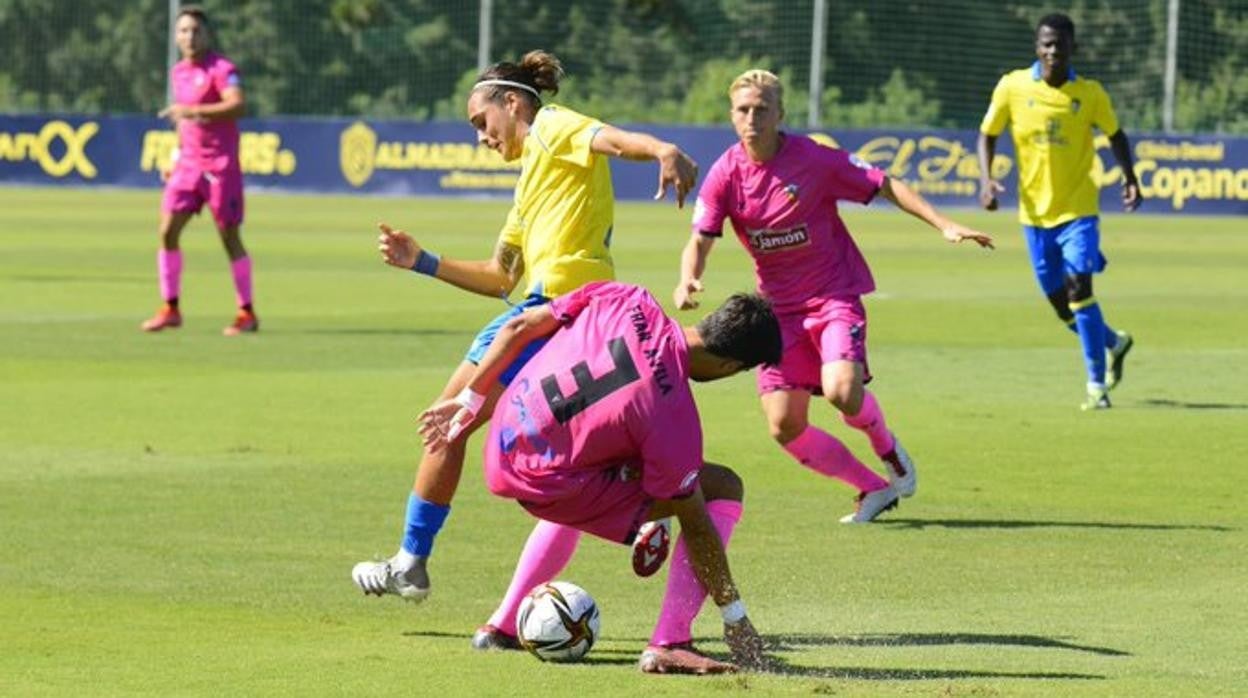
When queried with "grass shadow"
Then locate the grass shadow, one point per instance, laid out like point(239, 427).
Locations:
point(785, 642)
point(783, 668)
point(1181, 405)
point(1014, 523)
point(602, 656)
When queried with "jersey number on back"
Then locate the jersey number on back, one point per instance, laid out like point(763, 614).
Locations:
point(589, 389)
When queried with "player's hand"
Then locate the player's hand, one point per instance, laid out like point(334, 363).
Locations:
point(746, 645)
point(177, 112)
point(1131, 196)
point(443, 423)
point(955, 232)
point(988, 190)
point(166, 173)
point(677, 170)
point(397, 248)
point(683, 295)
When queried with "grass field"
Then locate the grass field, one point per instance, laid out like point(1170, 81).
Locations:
point(180, 512)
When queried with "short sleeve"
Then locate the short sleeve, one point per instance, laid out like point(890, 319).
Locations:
point(226, 77)
point(566, 135)
point(1103, 116)
point(847, 176)
point(513, 230)
point(712, 206)
point(671, 452)
point(998, 114)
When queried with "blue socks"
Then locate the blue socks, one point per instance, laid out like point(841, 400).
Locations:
point(424, 520)
point(1111, 335)
point(1095, 336)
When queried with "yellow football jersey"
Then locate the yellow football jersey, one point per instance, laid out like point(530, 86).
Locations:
point(565, 206)
point(1053, 142)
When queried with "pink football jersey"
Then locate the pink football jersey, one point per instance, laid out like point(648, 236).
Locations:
point(610, 387)
point(784, 211)
point(210, 145)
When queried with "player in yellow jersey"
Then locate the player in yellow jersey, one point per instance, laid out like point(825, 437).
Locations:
point(558, 234)
point(1051, 112)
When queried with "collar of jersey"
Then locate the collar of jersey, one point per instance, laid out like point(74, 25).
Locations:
point(1037, 74)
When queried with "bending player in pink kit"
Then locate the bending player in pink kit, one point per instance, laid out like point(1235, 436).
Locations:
point(599, 432)
point(207, 101)
point(780, 192)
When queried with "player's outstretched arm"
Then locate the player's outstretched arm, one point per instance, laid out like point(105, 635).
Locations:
point(692, 265)
point(1131, 196)
point(493, 277)
point(710, 564)
point(676, 169)
point(445, 421)
point(913, 203)
point(986, 150)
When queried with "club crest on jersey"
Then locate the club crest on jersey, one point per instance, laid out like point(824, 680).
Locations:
point(766, 241)
point(1074, 106)
point(791, 192)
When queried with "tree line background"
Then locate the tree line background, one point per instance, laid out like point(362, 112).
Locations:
point(887, 62)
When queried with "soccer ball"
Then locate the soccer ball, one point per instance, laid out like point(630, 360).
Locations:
point(557, 622)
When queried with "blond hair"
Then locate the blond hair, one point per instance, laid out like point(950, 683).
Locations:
point(763, 80)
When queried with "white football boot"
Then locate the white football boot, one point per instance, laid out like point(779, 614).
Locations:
point(381, 577)
point(900, 469)
point(871, 505)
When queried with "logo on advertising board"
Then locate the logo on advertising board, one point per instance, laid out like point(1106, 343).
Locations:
point(357, 153)
point(42, 148)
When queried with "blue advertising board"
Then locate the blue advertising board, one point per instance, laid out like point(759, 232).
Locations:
point(1178, 174)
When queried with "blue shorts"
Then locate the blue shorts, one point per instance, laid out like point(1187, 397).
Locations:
point(1074, 247)
point(485, 338)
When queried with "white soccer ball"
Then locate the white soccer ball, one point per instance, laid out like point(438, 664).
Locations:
point(557, 622)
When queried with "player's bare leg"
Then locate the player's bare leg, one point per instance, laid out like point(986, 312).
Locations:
point(169, 272)
point(240, 268)
point(437, 478)
point(844, 387)
point(814, 448)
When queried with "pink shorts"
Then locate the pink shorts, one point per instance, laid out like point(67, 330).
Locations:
point(189, 187)
point(608, 503)
point(836, 330)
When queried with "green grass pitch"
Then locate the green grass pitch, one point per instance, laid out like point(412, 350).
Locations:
point(180, 512)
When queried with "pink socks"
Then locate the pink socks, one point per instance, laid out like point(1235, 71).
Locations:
point(870, 421)
point(546, 553)
point(824, 454)
point(241, 268)
point(685, 593)
point(169, 271)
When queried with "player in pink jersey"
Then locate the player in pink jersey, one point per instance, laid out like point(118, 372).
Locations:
point(599, 431)
point(780, 190)
point(207, 102)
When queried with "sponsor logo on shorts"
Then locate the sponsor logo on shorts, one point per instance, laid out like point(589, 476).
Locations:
point(691, 478)
point(766, 241)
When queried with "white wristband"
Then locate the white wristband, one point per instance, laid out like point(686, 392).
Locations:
point(733, 613)
point(470, 400)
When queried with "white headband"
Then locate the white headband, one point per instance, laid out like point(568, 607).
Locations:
point(507, 83)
